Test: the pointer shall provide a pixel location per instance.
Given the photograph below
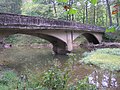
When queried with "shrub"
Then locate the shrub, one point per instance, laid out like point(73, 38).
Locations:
point(83, 85)
point(55, 79)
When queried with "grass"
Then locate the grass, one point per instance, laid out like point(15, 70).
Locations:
point(52, 79)
point(104, 58)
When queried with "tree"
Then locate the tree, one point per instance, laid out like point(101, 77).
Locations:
point(109, 12)
point(37, 9)
point(10, 6)
point(86, 11)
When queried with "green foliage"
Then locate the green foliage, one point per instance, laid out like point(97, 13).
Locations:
point(83, 85)
point(64, 1)
point(11, 39)
point(109, 37)
point(34, 0)
point(35, 9)
point(10, 6)
point(94, 1)
point(21, 39)
point(8, 81)
point(104, 58)
point(55, 79)
point(110, 29)
point(72, 11)
point(112, 34)
point(52, 79)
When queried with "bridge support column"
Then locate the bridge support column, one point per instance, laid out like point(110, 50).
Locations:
point(58, 50)
point(69, 41)
point(59, 47)
point(65, 46)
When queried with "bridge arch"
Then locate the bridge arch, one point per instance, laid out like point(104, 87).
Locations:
point(90, 37)
point(59, 46)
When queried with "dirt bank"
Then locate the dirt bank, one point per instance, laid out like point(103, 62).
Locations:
point(102, 45)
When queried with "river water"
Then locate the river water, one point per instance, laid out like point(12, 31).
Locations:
point(24, 59)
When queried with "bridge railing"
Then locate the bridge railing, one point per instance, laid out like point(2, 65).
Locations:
point(15, 20)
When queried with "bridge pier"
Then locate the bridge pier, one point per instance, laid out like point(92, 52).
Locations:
point(64, 43)
point(69, 41)
point(58, 50)
point(59, 47)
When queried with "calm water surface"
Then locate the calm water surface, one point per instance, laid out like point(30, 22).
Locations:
point(24, 59)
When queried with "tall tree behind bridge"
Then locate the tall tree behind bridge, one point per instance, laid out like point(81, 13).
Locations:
point(109, 12)
point(10, 6)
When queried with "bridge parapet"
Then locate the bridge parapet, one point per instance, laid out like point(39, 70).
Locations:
point(31, 22)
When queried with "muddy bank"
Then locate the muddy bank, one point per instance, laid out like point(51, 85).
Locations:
point(102, 45)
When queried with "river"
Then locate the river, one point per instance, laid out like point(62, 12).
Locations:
point(24, 59)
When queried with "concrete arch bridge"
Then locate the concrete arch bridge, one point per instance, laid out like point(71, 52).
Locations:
point(58, 32)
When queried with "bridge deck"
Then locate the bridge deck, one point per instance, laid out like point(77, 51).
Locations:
point(15, 21)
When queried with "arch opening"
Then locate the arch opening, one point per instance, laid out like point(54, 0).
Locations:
point(83, 39)
point(59, 46)
point(25, 39)
point(91, 38)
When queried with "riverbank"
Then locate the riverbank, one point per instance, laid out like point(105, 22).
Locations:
point(107, 58)
point(103, 45)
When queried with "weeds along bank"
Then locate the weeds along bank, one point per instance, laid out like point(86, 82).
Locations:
point(107, 58)
point(56, 78)
point(52, 79)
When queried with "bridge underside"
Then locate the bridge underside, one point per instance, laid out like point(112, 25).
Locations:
point(62, 40)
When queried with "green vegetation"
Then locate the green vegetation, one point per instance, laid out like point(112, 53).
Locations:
point(52, 79)
point(55, 79)
point(21, 39)
point(8, 81)
point(11, 81)
point(112, 37)
point(96, 12)
point(83, 85)
point(104, 58)
point(10, 6)
point(36, 9)
point(85, 11)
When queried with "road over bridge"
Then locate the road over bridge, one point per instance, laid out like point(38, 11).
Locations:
point(60, 33)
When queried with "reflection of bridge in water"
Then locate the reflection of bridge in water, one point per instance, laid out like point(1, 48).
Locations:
point(58, 32)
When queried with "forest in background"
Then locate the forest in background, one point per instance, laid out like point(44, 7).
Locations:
point(105, 13)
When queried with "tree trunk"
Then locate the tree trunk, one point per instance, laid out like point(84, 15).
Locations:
point(94, 16)
point(117, 16)
point(117, 19)
point(109, 12)
point(86, 9)
point(83, 16)
point(106, 18)
point(55, 10)
point(97, 14)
